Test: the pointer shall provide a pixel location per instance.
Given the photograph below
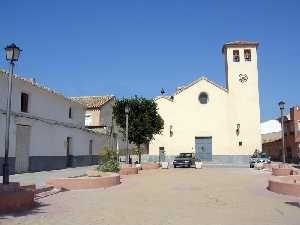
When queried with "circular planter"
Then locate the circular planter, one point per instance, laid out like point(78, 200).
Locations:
point(150, 166)
point(129, 171)
point(15, 199)
point(86, 182)
point(282, 171)
point(288, 185)
point(96, 173)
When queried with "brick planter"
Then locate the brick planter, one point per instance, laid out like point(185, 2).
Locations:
point(85, 182)
point(129, 171)
point(13, 198)
point(282, 171)
point(150, 166)
point(288, 185)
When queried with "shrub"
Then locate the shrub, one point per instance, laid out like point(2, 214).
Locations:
point(108, 161)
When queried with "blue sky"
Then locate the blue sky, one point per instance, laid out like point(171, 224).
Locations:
point(137, 47)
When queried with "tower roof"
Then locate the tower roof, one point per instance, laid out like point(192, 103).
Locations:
point(239, 44)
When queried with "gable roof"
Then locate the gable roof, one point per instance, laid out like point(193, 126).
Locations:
point(32, 82)
point(93, 102)
point(183, 88)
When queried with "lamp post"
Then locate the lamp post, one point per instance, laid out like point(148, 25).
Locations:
point(281, 106)
point(127, 109)
point(12, 55)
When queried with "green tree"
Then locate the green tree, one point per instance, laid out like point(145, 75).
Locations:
point(144, 120)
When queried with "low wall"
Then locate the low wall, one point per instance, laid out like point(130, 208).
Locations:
point(14, 198)
point(85, 182)
point(216, 159)
point(150, 166)
point(129, 171)
point(282, 171)
point(288, 185)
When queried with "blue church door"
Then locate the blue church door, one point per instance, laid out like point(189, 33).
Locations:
point(203, 148)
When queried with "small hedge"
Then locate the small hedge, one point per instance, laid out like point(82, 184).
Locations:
point(108, 162)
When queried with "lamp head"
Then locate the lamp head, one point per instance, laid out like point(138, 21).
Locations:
point(12, 52)
point(281, 105)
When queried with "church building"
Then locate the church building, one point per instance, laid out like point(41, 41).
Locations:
point(219, 124)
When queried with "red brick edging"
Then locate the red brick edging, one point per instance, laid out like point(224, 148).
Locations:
point(86, 182)
point(150, 166)
point(282, 171)
point(288, 185)
point(14, 198)
point(129, 171)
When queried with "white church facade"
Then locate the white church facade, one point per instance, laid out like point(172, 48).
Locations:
point(218, 124)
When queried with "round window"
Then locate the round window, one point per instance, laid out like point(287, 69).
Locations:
point(203, 98)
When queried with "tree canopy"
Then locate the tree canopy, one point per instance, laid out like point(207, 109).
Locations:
point(144, 120)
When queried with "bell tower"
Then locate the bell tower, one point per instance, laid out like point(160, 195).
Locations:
point(242, 85)
point(240, 65)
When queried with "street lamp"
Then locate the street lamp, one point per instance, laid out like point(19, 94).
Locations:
point(12, 55)
point(127, 109)
point(281, 107)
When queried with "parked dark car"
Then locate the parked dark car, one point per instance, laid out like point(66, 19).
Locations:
point(184, 160)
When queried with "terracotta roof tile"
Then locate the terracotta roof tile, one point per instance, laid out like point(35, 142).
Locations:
point(93, 101)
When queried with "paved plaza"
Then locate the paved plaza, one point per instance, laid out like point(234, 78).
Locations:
point(40, 178)
point(211, 196)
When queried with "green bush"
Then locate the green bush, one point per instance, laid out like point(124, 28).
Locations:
point(108, 161)
point(109, 166)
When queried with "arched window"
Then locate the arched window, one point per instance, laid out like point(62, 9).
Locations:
point(203, 98)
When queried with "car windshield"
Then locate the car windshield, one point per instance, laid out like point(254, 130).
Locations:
point(263, 155)
point(184, 155)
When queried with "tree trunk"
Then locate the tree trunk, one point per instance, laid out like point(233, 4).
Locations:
point(139, 153)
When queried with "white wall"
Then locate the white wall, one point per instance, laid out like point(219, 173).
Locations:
point(48, 118)
point(106, 112)
point(189, 119)
point(41, 102)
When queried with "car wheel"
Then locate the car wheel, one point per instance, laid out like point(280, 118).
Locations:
point(174, 166)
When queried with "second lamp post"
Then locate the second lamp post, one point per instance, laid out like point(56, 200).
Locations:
point(281, 106)
point(127, 109)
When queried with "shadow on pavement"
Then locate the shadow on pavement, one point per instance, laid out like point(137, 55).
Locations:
point(37, 209)
point(296, 204)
